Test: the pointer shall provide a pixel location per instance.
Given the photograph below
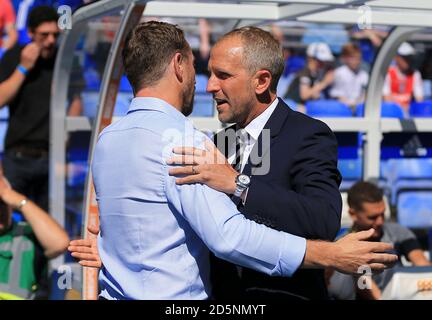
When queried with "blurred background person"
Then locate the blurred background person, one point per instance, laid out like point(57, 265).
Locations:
point(403, 82)
point(366, 208)
point(8, 33)
point(25, 246)
point(25, 86)
point(350, 80)
point(314, 80)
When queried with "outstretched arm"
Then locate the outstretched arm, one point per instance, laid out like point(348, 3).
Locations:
point(52, 237)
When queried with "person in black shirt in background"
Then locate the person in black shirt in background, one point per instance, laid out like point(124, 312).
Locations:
point(25, 85)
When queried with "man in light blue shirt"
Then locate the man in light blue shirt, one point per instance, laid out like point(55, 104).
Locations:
point(154, 234)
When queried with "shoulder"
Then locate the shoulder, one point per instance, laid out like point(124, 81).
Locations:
point(398, 231)
point(9, 62)
point(23, 228)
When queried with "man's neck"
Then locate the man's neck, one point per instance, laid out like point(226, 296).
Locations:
point(160, 93)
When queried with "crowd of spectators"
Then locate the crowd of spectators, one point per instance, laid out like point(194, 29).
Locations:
point(343, 74)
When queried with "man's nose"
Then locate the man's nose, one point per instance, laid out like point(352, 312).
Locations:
point(212, 85)
point(52, 39)
point(380, 221)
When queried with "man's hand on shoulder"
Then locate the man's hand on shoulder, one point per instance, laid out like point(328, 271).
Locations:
point(209, 167)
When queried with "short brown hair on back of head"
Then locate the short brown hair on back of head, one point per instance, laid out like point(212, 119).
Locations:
point(350, 49)
point(148, 49)
point(261, 51)
point(362, 192)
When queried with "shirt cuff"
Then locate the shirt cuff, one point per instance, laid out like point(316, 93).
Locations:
point(292, 253)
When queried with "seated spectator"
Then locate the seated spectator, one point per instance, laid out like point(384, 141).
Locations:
point(403, 83)
point(24, 246)
point(366, 208)
point(350, 81)
point(312, 82)
point(7, 26)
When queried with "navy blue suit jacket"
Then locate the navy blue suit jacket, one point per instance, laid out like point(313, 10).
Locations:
point(299, 194)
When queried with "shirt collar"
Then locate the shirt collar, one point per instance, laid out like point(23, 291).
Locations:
point(156, 104)
point(255, 127)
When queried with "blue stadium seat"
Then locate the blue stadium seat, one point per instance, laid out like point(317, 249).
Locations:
point(350, 169)
point(294, 64)
point(92, 79)
point(421, 109)
point(388, 110)
point(327, 108)
point(414, 209)
point(415, 168)
point(201, 83)
point(408, 174)
point(76, 173)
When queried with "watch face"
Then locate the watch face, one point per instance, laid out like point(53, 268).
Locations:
point(244, 179)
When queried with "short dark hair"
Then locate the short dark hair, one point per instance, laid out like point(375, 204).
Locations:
point(41, 14)
point(362, 192)
point(148, 49)
point(350, 49)
point(261, 51)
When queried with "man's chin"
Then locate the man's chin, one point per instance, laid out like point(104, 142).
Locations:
point(223, 117)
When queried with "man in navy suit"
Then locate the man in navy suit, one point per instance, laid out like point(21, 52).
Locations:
point(287, 162)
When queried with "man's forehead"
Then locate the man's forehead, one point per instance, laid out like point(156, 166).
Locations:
point(47, 26)
point(374, 205)
point(226, 52)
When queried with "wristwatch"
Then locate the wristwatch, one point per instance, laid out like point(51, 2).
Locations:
point(242, 181)
point(21, 204)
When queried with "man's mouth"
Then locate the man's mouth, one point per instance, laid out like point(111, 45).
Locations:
point(220, 102)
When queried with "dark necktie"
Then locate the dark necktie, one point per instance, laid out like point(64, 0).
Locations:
point(242, 139)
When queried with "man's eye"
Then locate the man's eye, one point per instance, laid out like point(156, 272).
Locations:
point(223, 75)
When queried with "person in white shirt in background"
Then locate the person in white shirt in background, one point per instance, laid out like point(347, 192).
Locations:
point(350, 80)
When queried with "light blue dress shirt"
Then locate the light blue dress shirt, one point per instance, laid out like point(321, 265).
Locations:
point(155, 235)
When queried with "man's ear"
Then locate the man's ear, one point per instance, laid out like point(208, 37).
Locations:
point(178, 62)
point(352, 214)
point(263, 80)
